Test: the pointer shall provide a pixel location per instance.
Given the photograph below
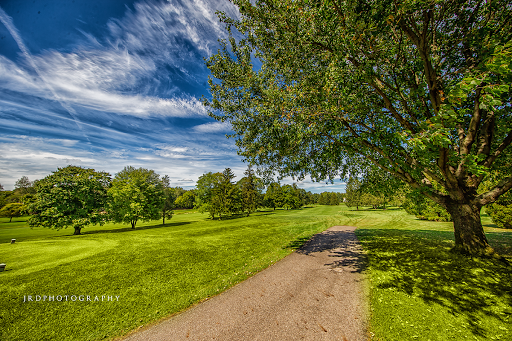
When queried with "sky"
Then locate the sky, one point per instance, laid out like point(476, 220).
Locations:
point(108, 84)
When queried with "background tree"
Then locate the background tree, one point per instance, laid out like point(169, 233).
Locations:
point(23, 185)
point(71, 196)
point(136, 194)
point(204, 192)
point(273, 196)
point(226, 197)
point(11, 210)
point(291, 199)
point(501, 211)
point(186, 200)
point(333, 199)
point(250, 190)
point(421, 89)
point(353, 194)
point(168, 204)
point(424, 209)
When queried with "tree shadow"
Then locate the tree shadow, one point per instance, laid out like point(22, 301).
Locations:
point(419, 263)
point(342, 246)
point(129, 229)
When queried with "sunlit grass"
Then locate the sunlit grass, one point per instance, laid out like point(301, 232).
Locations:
point(156, 270)
point(419, 290)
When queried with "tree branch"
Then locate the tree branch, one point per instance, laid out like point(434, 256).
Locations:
point(492, 195)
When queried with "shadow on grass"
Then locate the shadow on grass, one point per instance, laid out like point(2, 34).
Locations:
point(419, 263)
point(128, 229)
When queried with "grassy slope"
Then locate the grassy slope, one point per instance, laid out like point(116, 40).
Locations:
point(156, 270)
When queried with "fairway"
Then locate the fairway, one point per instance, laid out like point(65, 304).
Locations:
point(155, 270)
point(419, 290)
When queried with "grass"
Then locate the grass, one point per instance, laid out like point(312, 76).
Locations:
point(419, 290)
point(156, 270)
point(422, 291)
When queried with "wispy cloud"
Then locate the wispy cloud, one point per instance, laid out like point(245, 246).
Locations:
point(123, 74)
point(213, 127)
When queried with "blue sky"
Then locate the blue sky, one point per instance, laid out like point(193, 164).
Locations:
point(107, 84)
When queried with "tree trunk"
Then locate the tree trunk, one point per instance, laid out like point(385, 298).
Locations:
point(77, 230)
point(469, 233)
point(133, 222)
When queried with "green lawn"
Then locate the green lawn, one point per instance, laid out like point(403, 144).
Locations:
point(422, 291)
point(156, 270)
point(419, 290)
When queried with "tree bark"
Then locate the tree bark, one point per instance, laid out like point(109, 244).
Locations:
point(77, 230)
point(133, 222)
point(469, 234)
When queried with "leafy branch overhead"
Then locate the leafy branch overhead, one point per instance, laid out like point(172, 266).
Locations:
point(419, 89)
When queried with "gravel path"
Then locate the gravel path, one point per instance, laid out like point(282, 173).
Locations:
point(315, 293)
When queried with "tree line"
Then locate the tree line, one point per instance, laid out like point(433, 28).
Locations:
point(76, 197)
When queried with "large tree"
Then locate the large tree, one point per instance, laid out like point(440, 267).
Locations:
point(419, 89)
point(71, 196)
point(136, 194)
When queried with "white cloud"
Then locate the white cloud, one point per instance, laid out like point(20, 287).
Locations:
point(213, 127)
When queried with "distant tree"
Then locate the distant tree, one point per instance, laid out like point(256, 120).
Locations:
point(273, 196)
point(169, 199)
point(373, 200)
point(501, 211)
point(204, 192)
point(12, 210)
point(250, 190)
point(333, 199)
point(353, 195)
point(71, 196)
point(226, 198)
point(291, 199)
point(23, 185)
point(324, 198)
point(424, 209)
point(186, 200)
point(315, 198)
point(136, 194)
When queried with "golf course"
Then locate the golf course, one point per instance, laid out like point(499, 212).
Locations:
point(113, 279)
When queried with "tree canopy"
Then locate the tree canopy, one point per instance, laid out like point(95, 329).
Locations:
point(136, 194)
point(419, 89)
point(71, 196)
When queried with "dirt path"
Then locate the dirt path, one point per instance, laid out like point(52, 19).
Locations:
point(315, 293)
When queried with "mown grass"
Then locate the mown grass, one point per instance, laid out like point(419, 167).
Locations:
point(156, 270)
point(419, 290)
point(422, 291)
